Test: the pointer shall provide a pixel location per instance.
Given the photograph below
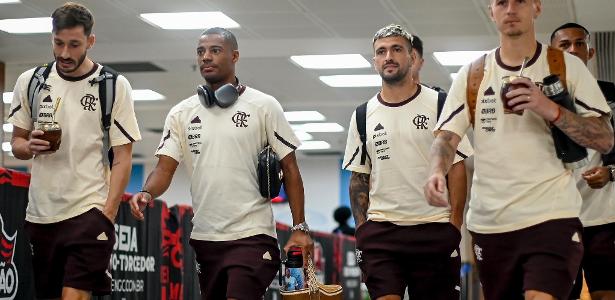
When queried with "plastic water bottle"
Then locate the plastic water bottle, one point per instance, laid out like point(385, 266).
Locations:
point(294, 278)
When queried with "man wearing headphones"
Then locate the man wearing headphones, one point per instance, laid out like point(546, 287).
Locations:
point(595, 182)
point(218, 134)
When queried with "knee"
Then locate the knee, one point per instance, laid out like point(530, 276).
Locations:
point(536, 295)
point(389, 297)
point(603, 295)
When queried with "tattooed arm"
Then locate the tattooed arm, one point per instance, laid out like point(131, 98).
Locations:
point(442, 156)
point(359, 197)
point(592, 132)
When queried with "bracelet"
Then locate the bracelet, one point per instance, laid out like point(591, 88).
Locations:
point(301, 227)
point(559, 114)
point(146, 191)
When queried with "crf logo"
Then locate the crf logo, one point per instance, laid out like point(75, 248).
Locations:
point(89, 102)
point(420, 121)
point(9, 279)
point(240, 118)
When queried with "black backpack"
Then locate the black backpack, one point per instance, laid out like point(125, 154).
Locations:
point(106, 93)
point(361, 119)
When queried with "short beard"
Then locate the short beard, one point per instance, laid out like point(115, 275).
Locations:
point(77, 65)
point(514, 34)
point(394, 79)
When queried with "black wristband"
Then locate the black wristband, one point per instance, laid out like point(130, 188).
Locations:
point(146, 191)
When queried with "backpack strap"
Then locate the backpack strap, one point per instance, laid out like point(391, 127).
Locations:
point(106, 93)
point(361, 119)
point(475, 77)
point(557, 64)
point(441, 100)
point(37, 82)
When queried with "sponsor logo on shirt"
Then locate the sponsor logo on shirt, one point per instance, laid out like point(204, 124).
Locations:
point(45, 111)
point(488, 111)
point(380, 142)
point(379, 134)
point(489, 92)
point(195, 120)
point(194, 135)
point(240, 119)
point(420, 121)
point(89, 102)
point(380, 151)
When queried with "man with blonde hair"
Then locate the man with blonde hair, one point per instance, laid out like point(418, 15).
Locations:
point(524, 211)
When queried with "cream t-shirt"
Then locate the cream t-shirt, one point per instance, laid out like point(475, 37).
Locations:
point(518, 179)
point(219, 147)
point(73, 180)
point(399, 138)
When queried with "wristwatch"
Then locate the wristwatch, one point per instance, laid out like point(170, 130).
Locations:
point(302, 227)
point(611, 172)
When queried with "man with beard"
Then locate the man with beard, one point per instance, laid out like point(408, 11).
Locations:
point(524, 210)
point(595, 182)
point(74, 195)
point(234, 233)
point(401, 240)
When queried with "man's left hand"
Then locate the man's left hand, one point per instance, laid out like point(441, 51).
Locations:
point(303, 240)
point(597, 177)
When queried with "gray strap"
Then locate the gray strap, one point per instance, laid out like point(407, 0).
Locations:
point(107, 112)
point(35, 87)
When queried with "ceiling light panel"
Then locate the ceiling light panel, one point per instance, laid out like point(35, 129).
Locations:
point(336, 61)
point(189, 20)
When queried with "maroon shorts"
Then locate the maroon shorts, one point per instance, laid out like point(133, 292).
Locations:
point(544, 257)
point(598, 261)
point(425, 258)
point(240, 269)
point(72, 253)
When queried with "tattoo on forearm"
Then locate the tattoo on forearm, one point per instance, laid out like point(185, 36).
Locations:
point(443, 150)
point(359, 196)
point(593, 133)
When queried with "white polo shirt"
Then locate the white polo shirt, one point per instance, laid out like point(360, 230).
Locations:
point(219, 147)
point(399, 139)
point(72, 180)
point(518, 179)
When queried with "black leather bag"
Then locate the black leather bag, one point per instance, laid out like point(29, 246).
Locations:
point(269, 173)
